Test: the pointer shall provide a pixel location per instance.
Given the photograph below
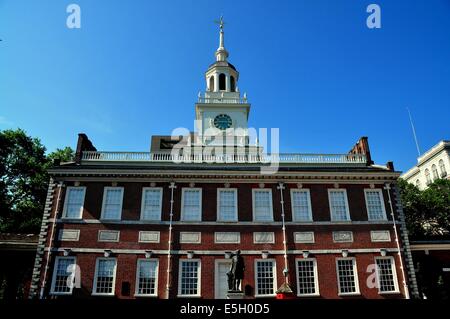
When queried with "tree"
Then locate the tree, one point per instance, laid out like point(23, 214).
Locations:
point(24, 180)
point(427, 212)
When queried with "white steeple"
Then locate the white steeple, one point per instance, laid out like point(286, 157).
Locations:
point(221, 53)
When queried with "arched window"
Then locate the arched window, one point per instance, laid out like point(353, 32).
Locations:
point(435, 172)
point(418, 183)
point(211, 84)
point(232, 84)
point(442, 168)
point(222, 82)
point(427, 176)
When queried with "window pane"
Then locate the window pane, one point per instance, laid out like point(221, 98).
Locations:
point(338, 205)
point(74, 203)
point(263, 205)
point(306, 277)
point(300, 206)
point(346, 276)
point(147, 277)
point(189, 278)
point(63, 269)
point(112, 208)
point(105, 276)
point(385, 275)
point(191, 205)
point(374, 205)
point(264, 278)
point(152, 204)
point(227, 205)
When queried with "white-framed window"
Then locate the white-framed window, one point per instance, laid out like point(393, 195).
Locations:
point(386, 275)
point(262, 205)
point(427, 176)
point(442, 168)
point(307, 279)
point(301, 205)
point(338, 205)
point(265, 277)
point(112, 203)
point(418, 184)
point(435, 172)
point(227, 208)
point(74, 202)
point(105, 277)
point(191, 204)
point(347, 276)
point(63, 276)
point(375, 204)
point(147, 277)
point(189, 278)
point(151, 205)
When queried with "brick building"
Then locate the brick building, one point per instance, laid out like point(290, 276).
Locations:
point(164, 224)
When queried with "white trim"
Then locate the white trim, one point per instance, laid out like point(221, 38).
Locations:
point(394, 277)
point(149, 241)
point(94, 286)
point(316, 277)
point(197, 233)
point(355, 273)
point(52, 289)
point(301, 190)
point(216, 274)
point(263, 242)
point(61, 233)
point(238, 241)
point(144, 189)
point(254, 190)
point(105, 191)
point(200, 204)
point(103, 231)
point(336, 235)
point(383, 208)
point(347, 208)
point(274, 270)
point(373, 232)
point(136, 288)
point(199, 278)
point(236, 214)
point(66, 199)
point(312, 241)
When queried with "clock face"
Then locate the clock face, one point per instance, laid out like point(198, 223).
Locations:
point(222, 121)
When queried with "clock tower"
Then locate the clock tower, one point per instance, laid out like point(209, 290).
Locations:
point(221, 113)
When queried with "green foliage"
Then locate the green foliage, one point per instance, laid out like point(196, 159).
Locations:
point(24, 180)
point(427, 212)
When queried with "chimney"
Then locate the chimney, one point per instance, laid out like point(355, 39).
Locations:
point(362, 147)
point(84, 144)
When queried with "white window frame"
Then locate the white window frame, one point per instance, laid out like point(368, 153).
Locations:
point(136, 290)
point(80, 215)
point(52, 289)
point(316, 278)
point(184, 189)
point(144, 189)
point(199, 278)
point(301, 190)
point(105, 191)
point(394, 276)
point(254, 190)
point(347, 208)
point(219, 217)
point(94, 287)
point(355, 272)
point(274, 271)
point(383, 207)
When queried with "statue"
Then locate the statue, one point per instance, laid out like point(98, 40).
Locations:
point(236, 273)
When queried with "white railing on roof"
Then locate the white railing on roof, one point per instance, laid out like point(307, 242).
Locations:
point(224, 158)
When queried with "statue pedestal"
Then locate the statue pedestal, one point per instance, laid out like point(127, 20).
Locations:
point(235, 295)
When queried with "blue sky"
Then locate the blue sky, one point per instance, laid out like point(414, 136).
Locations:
point(311, 68)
